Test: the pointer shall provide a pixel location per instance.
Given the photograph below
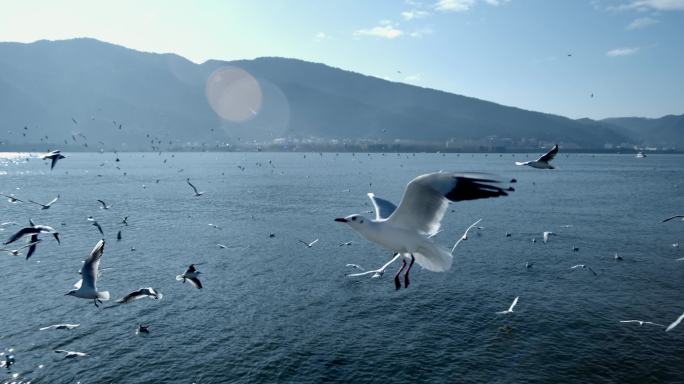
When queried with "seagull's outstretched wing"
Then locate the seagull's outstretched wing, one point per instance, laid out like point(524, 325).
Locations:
point(52, 202)
point(195, 282)
point(33, 243)
point(192, 186)
point(55, 158)
point(104, 205)
point(549, 155)
point(21, 233)
point(515, 301)
point(35, 202)
point(91, 265)
point(675, 323)
point(673, 217)
point(427, 196)
point(135, 295)
point(383, 208)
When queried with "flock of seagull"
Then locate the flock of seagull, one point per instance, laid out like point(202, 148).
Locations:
point(406, 229)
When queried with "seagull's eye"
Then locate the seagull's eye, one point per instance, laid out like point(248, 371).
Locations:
point(354, 218)
point(361, 221)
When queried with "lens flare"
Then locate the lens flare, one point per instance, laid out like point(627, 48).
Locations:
point(234, 94)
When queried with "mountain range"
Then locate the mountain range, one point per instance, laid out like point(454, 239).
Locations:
point(88, 92)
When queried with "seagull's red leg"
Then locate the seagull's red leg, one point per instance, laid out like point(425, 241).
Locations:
point(406, 275)
point(397, 282)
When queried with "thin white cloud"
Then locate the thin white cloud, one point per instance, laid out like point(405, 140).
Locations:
point(413, 14)
point(659, 5)
point(454, 5)
point(420, 32)
point(463, 5)
point(618, 52)
point(415, 78)
point(383, 31)
point(642, 22)
point(320, 36)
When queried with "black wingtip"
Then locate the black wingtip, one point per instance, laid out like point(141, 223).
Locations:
point(468, 188)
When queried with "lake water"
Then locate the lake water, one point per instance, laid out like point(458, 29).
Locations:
point(273, 310)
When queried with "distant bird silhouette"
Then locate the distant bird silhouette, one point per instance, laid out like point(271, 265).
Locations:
point(197, 193)
point(54, 156)
point(543, 161)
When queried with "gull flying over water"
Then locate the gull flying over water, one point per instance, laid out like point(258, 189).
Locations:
point(70, 354)
point(546, 236)
point(675, 323)
point(583, 266)
point(33, 231)
point(641, 322)
point(99, 228)
point(197, 193)
point(60, 326)
point(45, 206)
point(192, 275)
point(139, 294)
point(510, 309)
point(543, 161)
point(86, 288)
point(31, 246)
point(406, 232)
point(308, 245)
point(103, 205)
point(668, 219)
point(12, 199)
point(55, 156)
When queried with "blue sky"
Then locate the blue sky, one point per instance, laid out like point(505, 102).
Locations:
point(628, 53)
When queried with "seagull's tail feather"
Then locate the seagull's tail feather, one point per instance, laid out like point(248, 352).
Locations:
point(180, 278)
point(433, 257)
point(104, 295)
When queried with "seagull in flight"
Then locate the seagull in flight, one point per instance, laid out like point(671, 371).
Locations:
point(103, 205)
point(139, 294)
point(675, 323)
point(510, 309)
point(543, 161)
point(124, 221)
point(55, 156)
point(143, 329)
point(86, 288)
point(308, 245)
point(641, 322)
point(546, 236)
point(668, 219)
point(406, 232)
point(583, 266)
point(70, 354)
point(192, 275)
point(99, 228)
point(60, 326)
point(12, 199)
point(45, 206)
point(197, 193)
point(33, 231)
point(15, 252)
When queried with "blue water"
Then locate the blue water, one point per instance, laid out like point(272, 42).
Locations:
point(273, 310)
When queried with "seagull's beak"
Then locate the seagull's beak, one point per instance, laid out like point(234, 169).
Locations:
point(56, 235)
point(341, 220)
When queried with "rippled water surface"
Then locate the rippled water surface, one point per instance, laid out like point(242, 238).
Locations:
point(273, 310)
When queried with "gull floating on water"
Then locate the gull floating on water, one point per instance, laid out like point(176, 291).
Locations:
point(510, 309)
point(675, 323)
point(192, 275)
point(197, 193)
point(45, 206)
point(70, 354)
point(543, 161)
point(60, 326)
point(143, 329)
point(308, 245)
point(139, 294)
point(54, 156)
point(583, 266)
point(406, 231)
point(641, 322)
point(86, 288)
